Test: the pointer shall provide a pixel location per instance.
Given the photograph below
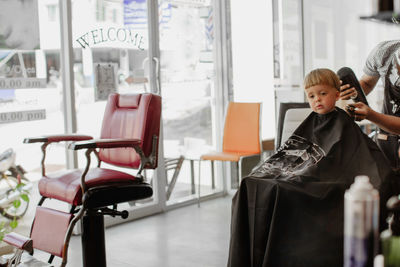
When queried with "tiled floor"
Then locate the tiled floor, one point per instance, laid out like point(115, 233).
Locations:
point(187, 236)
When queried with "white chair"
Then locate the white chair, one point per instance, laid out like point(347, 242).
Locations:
point(291, 115)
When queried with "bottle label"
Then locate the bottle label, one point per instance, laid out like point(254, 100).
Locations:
point(359, 252)
point(360, 231)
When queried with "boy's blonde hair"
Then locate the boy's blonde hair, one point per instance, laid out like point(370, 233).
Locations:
point(322, 76)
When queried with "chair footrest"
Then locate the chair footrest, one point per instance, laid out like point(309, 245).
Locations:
point(49, 229)
point(18, 241)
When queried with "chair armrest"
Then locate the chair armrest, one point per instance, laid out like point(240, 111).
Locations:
point(105, 143)
point(57, 138)
point(48, 139)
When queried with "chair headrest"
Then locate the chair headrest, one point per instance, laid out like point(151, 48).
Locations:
point(129, 101)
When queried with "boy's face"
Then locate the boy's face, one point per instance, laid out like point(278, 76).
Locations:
point(322, 98)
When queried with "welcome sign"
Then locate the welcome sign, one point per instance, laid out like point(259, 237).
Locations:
point(112, 35)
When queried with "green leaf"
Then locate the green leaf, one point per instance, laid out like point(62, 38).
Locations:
point(14, 223)
point(20, 185)
point(17, 203)
point(25, 197)
point(3, 231)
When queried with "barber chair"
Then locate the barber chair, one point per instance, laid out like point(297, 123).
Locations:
point(129, 138)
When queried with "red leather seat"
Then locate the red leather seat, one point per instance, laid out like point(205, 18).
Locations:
point(129, 138)
point(66, 185)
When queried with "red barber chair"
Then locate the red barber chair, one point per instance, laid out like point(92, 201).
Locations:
point(129, 138)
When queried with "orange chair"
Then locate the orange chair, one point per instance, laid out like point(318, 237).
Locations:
point(241, 138)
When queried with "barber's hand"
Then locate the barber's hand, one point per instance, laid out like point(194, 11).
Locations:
point(361, 111)
point(347, 92)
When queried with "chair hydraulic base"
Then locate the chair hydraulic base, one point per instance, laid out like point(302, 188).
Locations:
point(93, 241)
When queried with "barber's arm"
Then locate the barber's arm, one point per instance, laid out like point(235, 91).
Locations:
point(388, 123)
point(367, 83)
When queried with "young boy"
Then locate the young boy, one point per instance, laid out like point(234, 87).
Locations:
point(322, 88)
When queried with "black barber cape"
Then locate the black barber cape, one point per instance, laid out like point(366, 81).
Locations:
point(289, 211)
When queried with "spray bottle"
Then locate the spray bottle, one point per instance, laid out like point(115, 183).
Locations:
point(361, 219)
point(390, 238)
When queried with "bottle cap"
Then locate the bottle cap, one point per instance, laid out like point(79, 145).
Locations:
point(361, 183)
point(393, 205)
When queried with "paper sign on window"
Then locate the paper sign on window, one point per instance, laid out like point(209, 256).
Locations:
point(105, 80)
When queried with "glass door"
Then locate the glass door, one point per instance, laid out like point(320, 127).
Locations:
point(188, 82)
point(165, 47)
point(112, 50)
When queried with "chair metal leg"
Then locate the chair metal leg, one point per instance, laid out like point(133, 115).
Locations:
point(238, 171)
point(212, 175)
point(234, 167)
point(16, 259)
point(176, 165)
point(198, 197)
point(192, 176)
point(93, 241)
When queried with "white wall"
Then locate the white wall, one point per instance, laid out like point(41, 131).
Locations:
point(252, 58)
point(288, 51)
point(335, 36)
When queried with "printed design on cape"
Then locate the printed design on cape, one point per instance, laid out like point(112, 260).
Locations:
point(293, 157)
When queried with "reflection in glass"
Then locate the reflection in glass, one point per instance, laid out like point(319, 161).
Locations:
point(30, 100)
point(187, 87)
